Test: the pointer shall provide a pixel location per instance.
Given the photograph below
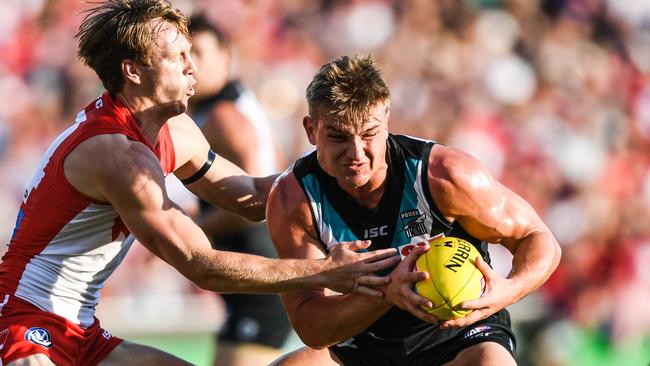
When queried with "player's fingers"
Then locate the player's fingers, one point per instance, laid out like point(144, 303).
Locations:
point(415, 253)
point(380, 254)
point(368, 291)
point(413, 277)
point(485, 268)
point(471, 305)
point(414, 299)
point(356, 245)
point(471, 318)
point(379, 265)
point(423, 315)
point(372, 280)
point(487, 300)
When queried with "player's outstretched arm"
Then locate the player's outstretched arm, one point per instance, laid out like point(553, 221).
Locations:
point(131, 180)
point(465, 191)
point(224, 184)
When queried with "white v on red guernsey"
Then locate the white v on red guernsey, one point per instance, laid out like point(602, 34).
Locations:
point(65, 244)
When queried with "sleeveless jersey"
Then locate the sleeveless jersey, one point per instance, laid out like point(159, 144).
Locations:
point(405, 216)
point(65, 244)
point(246, 103)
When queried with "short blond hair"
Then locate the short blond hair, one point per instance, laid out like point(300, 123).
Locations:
point(123, 29)
point(345, 90)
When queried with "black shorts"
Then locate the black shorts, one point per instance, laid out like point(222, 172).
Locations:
point(423, 347)
point(259, 319)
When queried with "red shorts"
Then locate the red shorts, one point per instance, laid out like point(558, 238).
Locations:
point(26, 330)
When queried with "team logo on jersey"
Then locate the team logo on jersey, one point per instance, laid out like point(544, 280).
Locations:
point(375, 232)
point(39, 336)
point(106, 334)
point(413, 223)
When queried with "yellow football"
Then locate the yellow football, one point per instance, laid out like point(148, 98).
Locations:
point(454, 277)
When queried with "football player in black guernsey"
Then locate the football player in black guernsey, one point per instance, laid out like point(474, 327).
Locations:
point(362, 182)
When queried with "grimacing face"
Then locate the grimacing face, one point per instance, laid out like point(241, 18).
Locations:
point(356, 157)
point(171, 74)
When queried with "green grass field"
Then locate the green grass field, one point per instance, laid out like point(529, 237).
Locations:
point(195, 348)
point(199, 350)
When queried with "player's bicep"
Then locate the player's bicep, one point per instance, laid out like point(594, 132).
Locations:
point(513, 219)
point(466, 192)
point(133, 183)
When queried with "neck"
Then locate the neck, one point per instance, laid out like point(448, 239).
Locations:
point(148, 116)
point(370, 193)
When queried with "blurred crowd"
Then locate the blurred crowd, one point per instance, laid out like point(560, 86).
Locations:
point(552, 95)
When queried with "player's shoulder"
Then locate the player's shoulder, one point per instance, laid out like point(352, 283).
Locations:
point(453, 164)
point(187, 138)
point(113, 152)
point(288, 195)
point(109, 162)
point(457, 181)
point(182, 124)
point(287, 190)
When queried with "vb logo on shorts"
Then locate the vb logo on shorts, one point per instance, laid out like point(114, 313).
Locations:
point(39, 336)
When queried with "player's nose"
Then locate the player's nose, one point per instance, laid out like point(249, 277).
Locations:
point(190, 67)
point(355, 149)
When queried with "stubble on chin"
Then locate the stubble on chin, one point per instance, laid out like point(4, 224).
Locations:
point(357, 181)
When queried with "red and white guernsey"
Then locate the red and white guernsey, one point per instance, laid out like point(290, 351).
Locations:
point(65, 244)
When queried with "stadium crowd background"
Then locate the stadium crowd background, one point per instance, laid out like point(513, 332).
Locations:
point(553, 96)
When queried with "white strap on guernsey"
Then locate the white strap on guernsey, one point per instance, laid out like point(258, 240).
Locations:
point(3, 303)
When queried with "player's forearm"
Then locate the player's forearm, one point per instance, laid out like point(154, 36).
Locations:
point(178, 241)
point(252, 206)
point(534, 261)
point(245, 273)
point(324, 321)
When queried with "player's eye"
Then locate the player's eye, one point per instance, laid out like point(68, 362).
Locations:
point(370, 134)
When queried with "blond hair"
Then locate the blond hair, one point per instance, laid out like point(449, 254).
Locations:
point(123, 29)
point(344, 90)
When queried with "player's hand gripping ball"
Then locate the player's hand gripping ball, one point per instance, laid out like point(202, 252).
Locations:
point(454, 277)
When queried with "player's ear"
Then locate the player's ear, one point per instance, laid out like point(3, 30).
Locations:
point(310, 128)
point(130, 71)
point(387, 112)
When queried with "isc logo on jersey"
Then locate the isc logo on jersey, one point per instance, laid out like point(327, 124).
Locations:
point(39, 336)
point(375, 232)
point(405, 249)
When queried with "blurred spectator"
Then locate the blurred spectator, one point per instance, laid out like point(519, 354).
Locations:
point(256, 325)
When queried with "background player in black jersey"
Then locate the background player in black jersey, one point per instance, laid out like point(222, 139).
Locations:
point(353, 172)
point(233, 122)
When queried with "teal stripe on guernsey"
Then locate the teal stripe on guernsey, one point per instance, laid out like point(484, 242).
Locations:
point(335, 225)
point(409, 201)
